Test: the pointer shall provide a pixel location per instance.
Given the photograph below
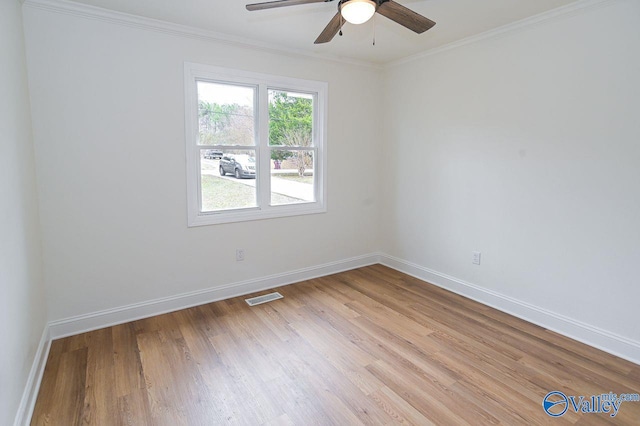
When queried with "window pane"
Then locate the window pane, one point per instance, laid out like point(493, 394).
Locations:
point(257, 119)
point(227, 179)
point(225, 114)
point(292, 179)
point(290, 118)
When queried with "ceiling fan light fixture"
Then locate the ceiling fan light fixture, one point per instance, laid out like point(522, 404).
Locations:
point(358, 11)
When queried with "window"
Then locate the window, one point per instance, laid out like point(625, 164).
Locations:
point(255, 145)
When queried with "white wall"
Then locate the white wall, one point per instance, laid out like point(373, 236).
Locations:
point(108, 108)
point(22, 308)
point(525, 147)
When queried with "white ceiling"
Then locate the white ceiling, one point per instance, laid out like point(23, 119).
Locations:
point(296, 27)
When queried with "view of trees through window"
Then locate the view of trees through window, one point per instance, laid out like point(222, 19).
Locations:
point(291, 125)
point(225, 114)
point(227, 137)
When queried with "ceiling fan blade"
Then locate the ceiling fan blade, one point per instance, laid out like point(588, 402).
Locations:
point(330, 30)
point(280, 3)
point(405, 17)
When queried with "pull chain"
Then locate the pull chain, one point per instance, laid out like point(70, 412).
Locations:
point(341, 24)
point(374, 29)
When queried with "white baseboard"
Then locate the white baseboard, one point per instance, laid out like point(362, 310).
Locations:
point(30, 393)
point(593, 336)
point(123, 314)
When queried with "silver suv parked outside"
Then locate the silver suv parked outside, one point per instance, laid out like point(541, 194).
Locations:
point(241, 166)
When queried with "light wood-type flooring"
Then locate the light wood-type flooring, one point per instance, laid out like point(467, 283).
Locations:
point(368, 346)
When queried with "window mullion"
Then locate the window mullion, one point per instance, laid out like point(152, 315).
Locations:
point(263, 184)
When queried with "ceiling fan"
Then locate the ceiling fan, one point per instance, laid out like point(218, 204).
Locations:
point(357, 12)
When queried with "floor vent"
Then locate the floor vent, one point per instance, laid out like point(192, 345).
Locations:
point(263, 299)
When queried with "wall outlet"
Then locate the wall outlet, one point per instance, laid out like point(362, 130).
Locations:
point(239, 255)
point(476, 257)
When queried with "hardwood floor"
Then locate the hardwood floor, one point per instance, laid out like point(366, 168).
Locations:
point(368, 346)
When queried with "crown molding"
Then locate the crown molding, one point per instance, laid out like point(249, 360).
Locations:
point(571, 9)
point(149, 24)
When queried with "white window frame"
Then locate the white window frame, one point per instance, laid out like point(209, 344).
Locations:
point(263, 82)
